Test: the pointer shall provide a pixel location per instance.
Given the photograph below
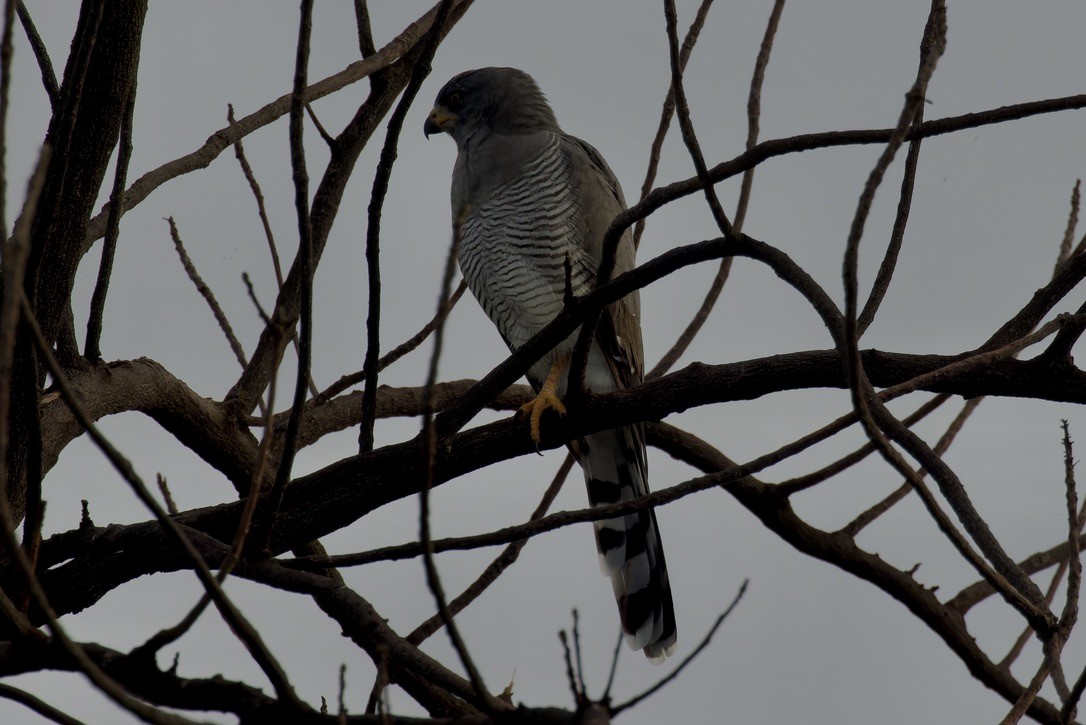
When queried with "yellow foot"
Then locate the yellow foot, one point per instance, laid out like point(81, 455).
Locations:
point(547, 398)
point(534, 409)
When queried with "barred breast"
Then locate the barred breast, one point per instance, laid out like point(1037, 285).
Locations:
point(516, 246)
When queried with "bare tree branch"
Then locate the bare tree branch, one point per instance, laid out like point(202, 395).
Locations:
point(220, 140)
point(754, 111)
point(37, 705)
point(668, 111)
point(245, 632)
point(500, 564)
point(92, 346)
point(1069, 233)
point(206, 293)
point(349, 144)
point(48, 76)
point(305, 263)
point(258, 196)
point(43, 580)
point(382, 175)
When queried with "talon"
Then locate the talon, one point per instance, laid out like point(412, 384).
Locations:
point(547, 399)
point(534, 409)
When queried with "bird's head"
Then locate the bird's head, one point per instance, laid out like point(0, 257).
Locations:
point(490, 100)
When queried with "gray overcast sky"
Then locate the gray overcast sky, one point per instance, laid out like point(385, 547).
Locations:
point(808, 643)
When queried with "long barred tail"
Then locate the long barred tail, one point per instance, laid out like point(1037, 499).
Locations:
point(615, 470)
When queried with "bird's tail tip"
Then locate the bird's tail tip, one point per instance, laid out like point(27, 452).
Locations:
point(657, 652)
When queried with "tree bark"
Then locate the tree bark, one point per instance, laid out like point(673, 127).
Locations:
point(101, 68)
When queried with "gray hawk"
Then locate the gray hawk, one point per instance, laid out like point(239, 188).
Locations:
point(531, 205)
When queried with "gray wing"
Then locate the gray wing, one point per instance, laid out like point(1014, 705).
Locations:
point(614, 462)
point(601, 202)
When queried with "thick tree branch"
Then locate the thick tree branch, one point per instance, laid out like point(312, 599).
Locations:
point(341, 493)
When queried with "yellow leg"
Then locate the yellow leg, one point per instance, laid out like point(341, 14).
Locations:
point(546, 399)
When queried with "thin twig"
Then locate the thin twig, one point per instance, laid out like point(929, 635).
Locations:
point(531, 528)
point(292, 334)
point(754, 111)
point(342, 712)
point(382, 177)
point(376, 702)
point(686, 124)
point(632, 702)
point(957, 368)
point(392, 355)
point(809, 480)
point(1075, 518)
point(1069, 233)
point(1029, 694)
point(36, 704)
point(321, 131)
point(41, 54)
point(1053, 644)
point(171, 507)
point(305, 259)
point(258, 195)
point(857, 525)
point(247, 280)
point(577, 654)
point(502, 562)
point(206, 293)
point(256, 484)
point(754, 107)
point(668, 111)
point(1069, 711)
point(579, 361)
point(904, 205)
point(209, 298)
point(606, 696)
point(1061, 568)
point(92, 346)
point(773, 148)
point(18, 249)
point(365, 33)
point(571, 677)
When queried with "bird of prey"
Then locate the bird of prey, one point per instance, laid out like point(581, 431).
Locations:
point(530, 205)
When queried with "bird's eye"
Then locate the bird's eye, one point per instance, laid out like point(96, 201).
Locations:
point(453, 101)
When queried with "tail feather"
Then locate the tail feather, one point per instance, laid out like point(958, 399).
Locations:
point(630, 550)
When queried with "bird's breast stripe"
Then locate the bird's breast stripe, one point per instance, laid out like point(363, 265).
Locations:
point(517, 245)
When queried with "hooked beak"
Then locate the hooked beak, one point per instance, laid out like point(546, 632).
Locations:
point(436, 122)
